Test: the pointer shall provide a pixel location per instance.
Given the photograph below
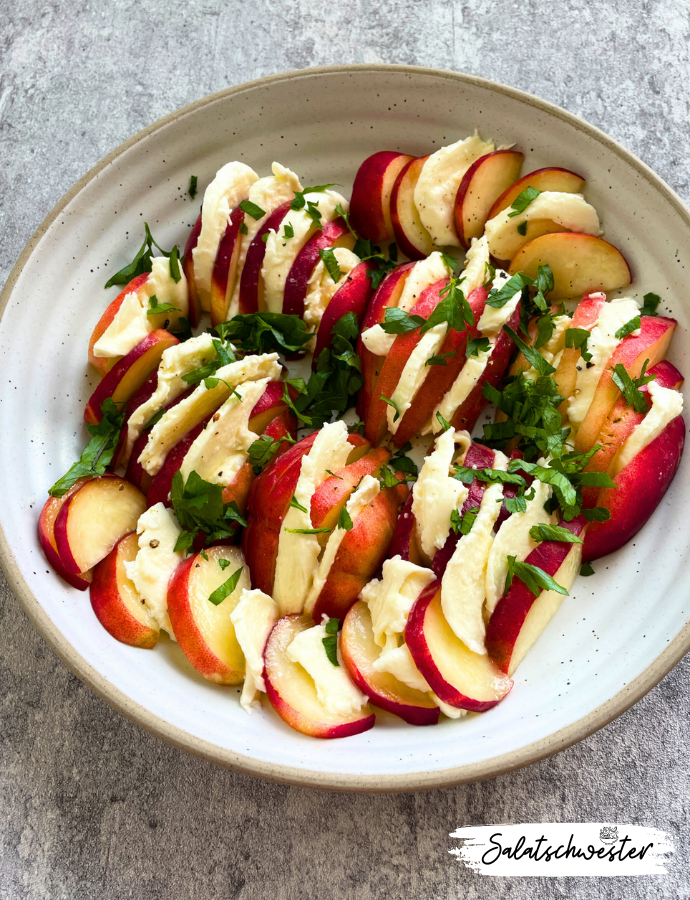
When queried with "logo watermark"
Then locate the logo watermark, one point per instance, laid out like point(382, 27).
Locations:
point(560, 849)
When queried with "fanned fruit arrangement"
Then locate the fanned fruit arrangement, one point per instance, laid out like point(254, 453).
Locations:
point(387, 559)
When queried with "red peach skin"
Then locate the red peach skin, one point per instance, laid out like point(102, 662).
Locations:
point(353, 296)
point(370, 206)
point(101, 363)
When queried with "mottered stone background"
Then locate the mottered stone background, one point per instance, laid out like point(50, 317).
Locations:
point(90, 805)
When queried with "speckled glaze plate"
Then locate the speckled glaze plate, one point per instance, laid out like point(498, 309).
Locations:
point(614, 638)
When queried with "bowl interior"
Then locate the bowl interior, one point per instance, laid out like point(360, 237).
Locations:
point(611, 631)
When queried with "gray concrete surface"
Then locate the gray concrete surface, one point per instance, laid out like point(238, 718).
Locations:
point(91, 806)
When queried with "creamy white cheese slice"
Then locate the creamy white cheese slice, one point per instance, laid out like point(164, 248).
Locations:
point(391, 598)
point(434, 193)
point(227, 190)
point(666, 405)
point(281, 252)
point(334, 689)
point(268, 193)
point(156, 561)
point(298, 554)
point(253, 618)
point(364, 495)
point(175, 362)
point(601, 344)
point(397, 661)
point(321, 288)
point(220, 451)
point(435, 494)
point(179, 420)
point(422, 275)
point(414, 374)
point(513, 539)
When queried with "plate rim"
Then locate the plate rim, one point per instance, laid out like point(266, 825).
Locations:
point(303, 777)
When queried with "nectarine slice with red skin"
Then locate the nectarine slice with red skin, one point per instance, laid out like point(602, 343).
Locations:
point(352, 296)
point(459, 677)
point(404, 542)
point(292, 693)
point(487, 179)
point(361, 554)
point(224, 270)
point(138, 398)
point(520, 617)
point(386, 295)
point(586, 316)
point(411, 236)
point(333, 234)
point(359, 652)
point(93, 519)
point(203, 630)
point(439, 379)
point(620, 424)
point(640, 487)
point(649, 346)
point(551, 178)
point(581, 263)
point(46, 538)
point(195, 310)
point(102, 363)
point(250, 299)
point(116, 602)
point(128, 375)
point(370, 206)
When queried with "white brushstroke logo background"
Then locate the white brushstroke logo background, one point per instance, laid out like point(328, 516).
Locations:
point(563, 849)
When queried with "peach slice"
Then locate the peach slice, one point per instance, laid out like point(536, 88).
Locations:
point(93, 519)
point(487, 178)
point(333, 234)
point(370, 206)
point(586, 316)
point(359, 652)
point(549, 179)
point(520, 617)
point(649, 346)
point(195, 311)
point(128, 375)
point(116, 601)
point(353, 296)
point(412, 237)
point(581, 263)
point(204, 629)
point(292, 693)
point(101, 363)
point(640, 487)
point(457, 676)
point(224, 272)
point(251, 283)
point(46, 538)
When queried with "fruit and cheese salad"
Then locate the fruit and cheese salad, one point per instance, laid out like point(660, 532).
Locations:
point(300, 493)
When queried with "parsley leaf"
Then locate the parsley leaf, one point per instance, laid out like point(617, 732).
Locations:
point(345, 520)
point(266, 332)
point(444, 423)
point(331, 263)
point(308, 530)
point(453, 309)
point(297, 505)
point(545, 532)
point(226, 588)
point(156, 308)
point(392, 404)
point(223, 563)
point(577, 339)
point(498, 298)
point(450, 261)
point(397, 321)
point(252, 209)
point(651, 303)
point(522, 228)
point(288, 231)
point(330, 643)
point(243, 228)
point(441, 359)
point(346, 217)
point(98, 453)
point(597, 514)
point(522, 201)
point(199, 507)
point(300, 201)
point(630, 387)
point(463, 524)
point(262, 451)
point(534, 578)
point(533, 357)
point(475, 346)
point(628, 328)
point(586, 569)
point(192, 186)
point(387, 478)
point(405, 465)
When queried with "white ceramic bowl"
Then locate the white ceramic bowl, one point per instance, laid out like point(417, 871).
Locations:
point(612, 640)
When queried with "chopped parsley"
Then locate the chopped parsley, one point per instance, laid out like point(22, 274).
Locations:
point(199, 508)
point(534, 578)
point(252, 209)
point(192, 186)
point(288, 231)
point(628, 328)
point(262, 451)
point(577, 338)
point(142, 261)
point(345, 520)
point(463, 524)
point(522, 201)
point(586, 569)
point(475, 346)
point(330, 261)
point(650, 305)
point(545, 532)
point(330, 642)
point(630, 387)
point(157, 309)
point(265, 332)
point(226, 588)
point(444, 423)
point(392, 404)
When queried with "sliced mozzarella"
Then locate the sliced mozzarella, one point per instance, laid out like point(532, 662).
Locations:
point(321, 288)
point(129, 327)
point(298, 554)
point(422, 275)
point(451, 711)
point(227, 190)
point(268, 193)
point(253, 618)
point(434, 193)
point(179, 420)
point(414, 374)
point(364, 495)
point(513, 539)
point(476, 271)
point(436, 494)
point(398, 662)
point(220, 451)
point(156, 561)
point(281, 252)
point(666, 405)
point(161, 285)
point(176, 361)
point(334, 689)
point(570, 211)
point(601, 344)
point(391, 598)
